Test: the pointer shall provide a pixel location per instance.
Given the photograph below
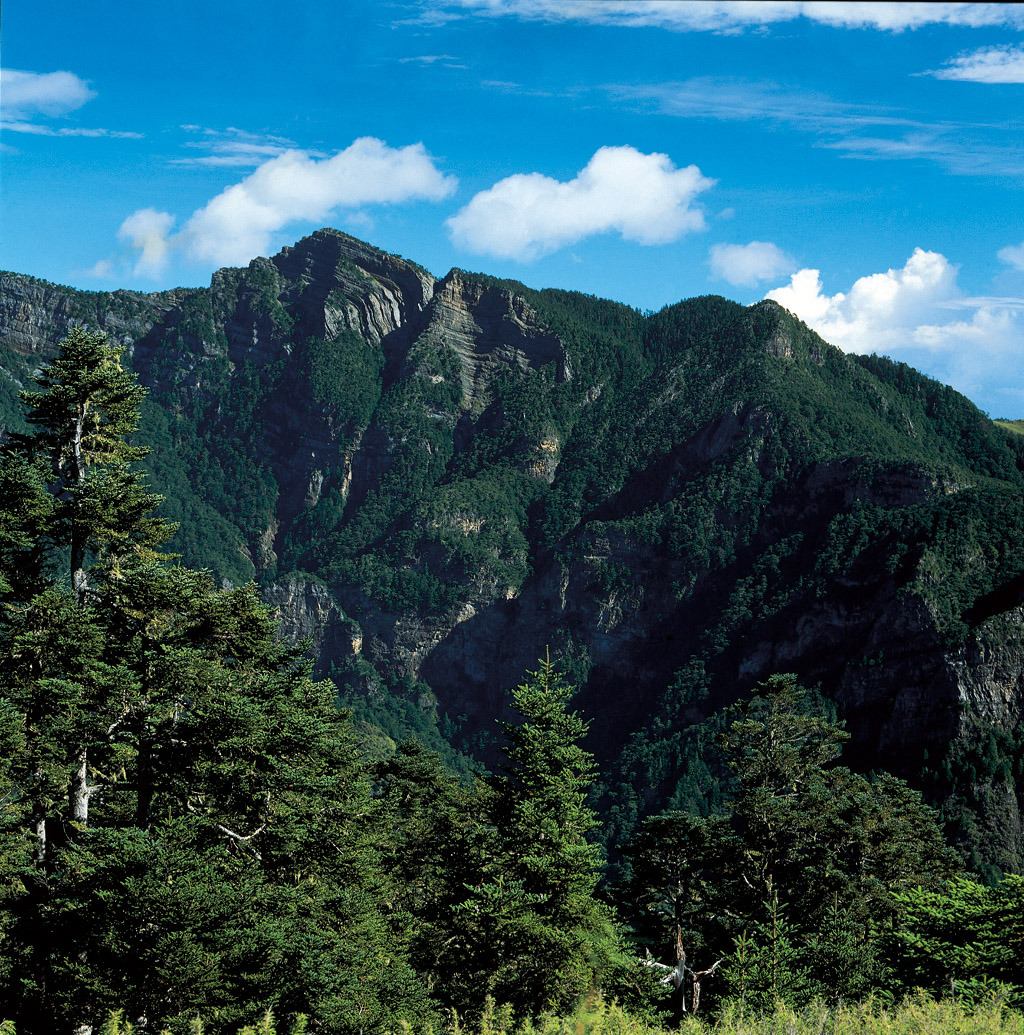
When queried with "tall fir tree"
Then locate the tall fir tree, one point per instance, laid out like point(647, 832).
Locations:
point(190, 828)
point(533, 931)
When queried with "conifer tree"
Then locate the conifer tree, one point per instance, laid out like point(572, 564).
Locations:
point(193, 824)
point(435, 827)
point(536, 934)
point(964, 939)
point(802, 871)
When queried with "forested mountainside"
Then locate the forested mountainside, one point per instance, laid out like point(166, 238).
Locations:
point(436, 480)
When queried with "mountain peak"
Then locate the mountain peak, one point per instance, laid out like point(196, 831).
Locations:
point(329, 248)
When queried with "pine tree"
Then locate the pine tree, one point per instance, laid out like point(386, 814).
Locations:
point(767, 965)
point(193, 824)
point(965, 939)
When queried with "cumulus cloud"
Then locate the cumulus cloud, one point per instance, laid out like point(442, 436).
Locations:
point(145, 232)
point(734, 15)
point(29, 94)
point(879, 311)
point(746, 265)
point(988, 65)
point(644, 197)
point(1013, 255)
point(239, 223)
point(919, 315)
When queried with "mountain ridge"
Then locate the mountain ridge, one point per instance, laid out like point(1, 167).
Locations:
point(437, 478)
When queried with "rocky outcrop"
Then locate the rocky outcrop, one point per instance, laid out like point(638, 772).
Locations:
point(491, 488)
point(487, 330)
point(35, 315)
point(336, 283)
point(307, 612)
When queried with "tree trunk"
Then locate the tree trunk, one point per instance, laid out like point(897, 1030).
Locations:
point(80, 790)
point(39, 853)
point(78, 536)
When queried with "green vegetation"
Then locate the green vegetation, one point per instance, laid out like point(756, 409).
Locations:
point(962, 938)
point(917, 1015)
point(185, 817)
point(1016, 427)
point(345, 375)
point(718, 470)
point(681, 503)
point(796, 877)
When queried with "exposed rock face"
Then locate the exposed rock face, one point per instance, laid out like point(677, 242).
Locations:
point(472, 481)
point(489, 330)
point(337, 283)
point(35, 315)
point(306, 611)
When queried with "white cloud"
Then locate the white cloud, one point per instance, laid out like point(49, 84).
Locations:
point(863, 131)
point(232, 147)
point(880, 311)
point(445, 60)
point(642, 196)
point(895, 17)
point(984, 302)
point(39, 130)
point(1013, 255)
point(28, 94)
point(734, 15)
point(988, 65)
point(916, 314)
point(239, 223)
point(102, 270)
point(28, 97)
point(745, 265)
point(145, 232)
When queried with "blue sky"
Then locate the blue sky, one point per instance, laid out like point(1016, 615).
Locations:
point(862, 163)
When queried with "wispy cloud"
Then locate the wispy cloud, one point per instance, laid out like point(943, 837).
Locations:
point(232, 147)
point(730, 15)
point(514, 89)
point(947, 146)
point(856, 130)
point(988, 65)
point(643, 197)
point(105, 269)
point(1013, 255)
point(239, 223)
point(38, 130)
point(742, 100)
point(32, 98)
point(982, 302)
point(428, 60)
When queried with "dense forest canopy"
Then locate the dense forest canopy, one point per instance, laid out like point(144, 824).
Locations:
point(670, 508)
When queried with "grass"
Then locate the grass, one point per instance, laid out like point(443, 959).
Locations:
point(1016, 426)
point(916, 1015)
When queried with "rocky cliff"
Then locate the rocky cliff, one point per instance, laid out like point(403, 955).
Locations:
point(436, 480)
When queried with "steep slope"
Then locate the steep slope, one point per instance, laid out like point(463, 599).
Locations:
point(436, 480)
